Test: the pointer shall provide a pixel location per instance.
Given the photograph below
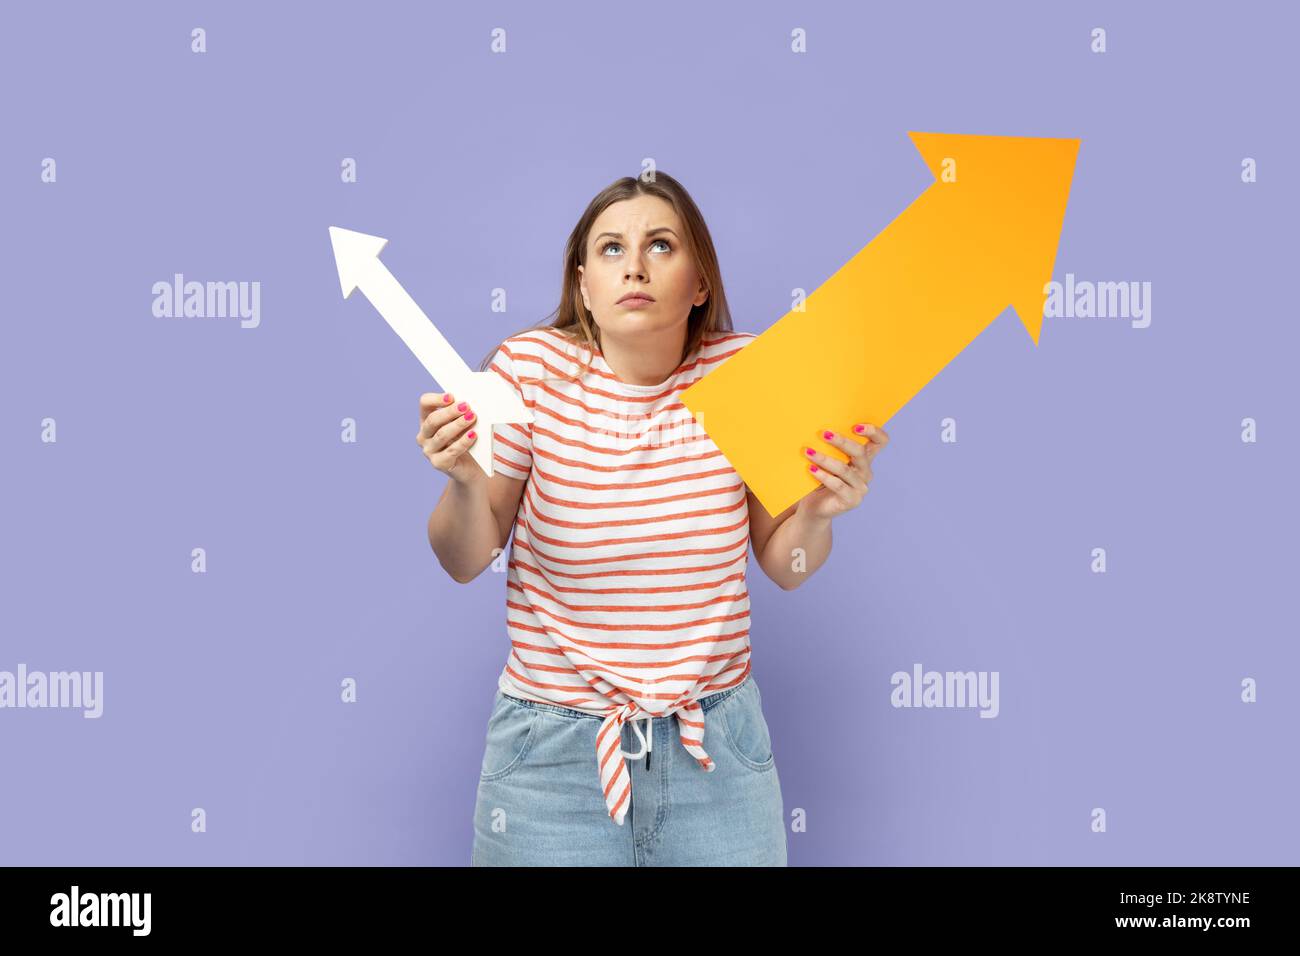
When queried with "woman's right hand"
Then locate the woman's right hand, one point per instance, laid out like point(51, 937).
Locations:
point(446, 433)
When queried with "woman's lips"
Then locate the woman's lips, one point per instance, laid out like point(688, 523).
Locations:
point(636, 302)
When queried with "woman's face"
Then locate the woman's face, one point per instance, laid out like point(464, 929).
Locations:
point(638, 245)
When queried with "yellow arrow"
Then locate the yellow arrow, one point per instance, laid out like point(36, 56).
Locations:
point(982, 236)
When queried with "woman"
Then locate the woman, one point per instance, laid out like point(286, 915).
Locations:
point(626, 602)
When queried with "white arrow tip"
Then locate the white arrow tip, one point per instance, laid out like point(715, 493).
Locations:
point(353, 252)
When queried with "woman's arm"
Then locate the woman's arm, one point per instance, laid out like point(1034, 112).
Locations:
point(775, 541)
point(794, 544)
point(472, 522)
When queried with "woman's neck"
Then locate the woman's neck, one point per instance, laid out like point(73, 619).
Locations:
point(646, 362)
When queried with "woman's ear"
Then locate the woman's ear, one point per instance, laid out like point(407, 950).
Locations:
point(582, 289)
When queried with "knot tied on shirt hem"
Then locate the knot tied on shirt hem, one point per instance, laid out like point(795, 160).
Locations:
point(615, 779)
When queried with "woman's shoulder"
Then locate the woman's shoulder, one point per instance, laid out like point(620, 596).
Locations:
point(542, 354)
point(719, 345)
point(733, 336)
point(529, 340)
point(535, 345)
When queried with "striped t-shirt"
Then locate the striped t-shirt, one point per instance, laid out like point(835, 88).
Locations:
point(626, 593)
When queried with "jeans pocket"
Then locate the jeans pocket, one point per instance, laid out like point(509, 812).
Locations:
point(745, 728)
point(509, 736)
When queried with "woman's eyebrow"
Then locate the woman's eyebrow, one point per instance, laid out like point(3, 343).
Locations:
point(619, 235)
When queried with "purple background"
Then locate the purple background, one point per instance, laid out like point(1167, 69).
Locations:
point(222, 690)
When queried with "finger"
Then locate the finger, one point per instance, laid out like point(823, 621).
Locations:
point(462, 441)
point(457, 446)
point(432, 422)
point(440, 417)
point(433, 400)
point(877, 438)
point(854, 449)
point(430, 403)
point(435, 438)
point(837, 485)
point(451, 430)
point(842, 470)
point(875, 433)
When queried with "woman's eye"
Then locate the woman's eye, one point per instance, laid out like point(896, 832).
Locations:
point(607, 246)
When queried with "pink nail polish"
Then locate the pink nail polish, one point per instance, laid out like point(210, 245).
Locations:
point(469, 416)
point(808, 451)
point(471, 434)
point(812, 467)
point(461, 407)
point(446, 398)
point(858, 429)
point(828, 435)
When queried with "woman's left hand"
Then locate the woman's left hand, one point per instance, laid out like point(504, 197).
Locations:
point(845, 483)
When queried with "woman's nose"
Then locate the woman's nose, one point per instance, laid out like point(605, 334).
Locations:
point(635, 265)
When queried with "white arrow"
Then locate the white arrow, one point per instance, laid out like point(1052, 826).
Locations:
point(490, 397)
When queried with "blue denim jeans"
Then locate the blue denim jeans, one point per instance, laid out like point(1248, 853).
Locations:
point(539, 799)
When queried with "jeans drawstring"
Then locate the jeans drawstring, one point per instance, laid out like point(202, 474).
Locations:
point(646, 745)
